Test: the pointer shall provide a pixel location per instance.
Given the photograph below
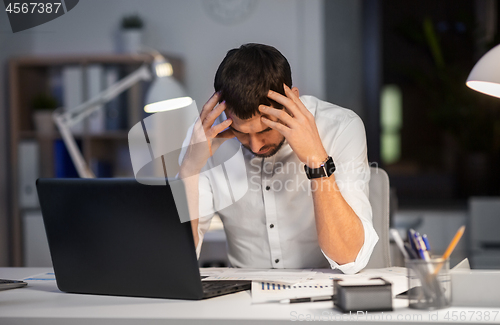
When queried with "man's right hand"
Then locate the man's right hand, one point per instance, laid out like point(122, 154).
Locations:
point(206, 137)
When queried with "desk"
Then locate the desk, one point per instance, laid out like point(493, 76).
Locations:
point(41, 303)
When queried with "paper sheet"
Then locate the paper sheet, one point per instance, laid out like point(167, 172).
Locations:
point(212, 271)
point(398, 276)
point(41, 277)
point(321, 284)
point(273, 275)
point(274, 292)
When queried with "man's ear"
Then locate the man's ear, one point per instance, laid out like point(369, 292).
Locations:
point(295, 90)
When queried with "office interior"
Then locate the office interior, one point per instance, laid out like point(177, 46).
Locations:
point(400, 65)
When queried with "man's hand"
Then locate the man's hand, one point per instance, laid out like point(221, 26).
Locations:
point(206, 137)
point(297, 126)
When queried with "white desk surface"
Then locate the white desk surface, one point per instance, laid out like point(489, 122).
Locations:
point(42, 303)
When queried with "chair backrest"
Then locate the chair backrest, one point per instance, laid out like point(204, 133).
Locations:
point(379, 200)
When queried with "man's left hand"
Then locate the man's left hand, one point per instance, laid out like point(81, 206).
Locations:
point(297, 126)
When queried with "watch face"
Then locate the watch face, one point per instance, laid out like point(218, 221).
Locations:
point(229, 11)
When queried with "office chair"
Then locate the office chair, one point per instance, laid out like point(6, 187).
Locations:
point(379, 200)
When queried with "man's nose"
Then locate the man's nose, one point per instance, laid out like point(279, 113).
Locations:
point(256, 143)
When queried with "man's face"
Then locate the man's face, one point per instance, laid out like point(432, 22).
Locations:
point(256, 136)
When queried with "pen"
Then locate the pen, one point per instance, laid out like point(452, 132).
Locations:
point(411, 239)
point(399, 242)
point(422, 248)
point(426, 241)
point(410, 251)
point(307, 299)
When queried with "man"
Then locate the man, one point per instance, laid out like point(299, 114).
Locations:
point(290, 216)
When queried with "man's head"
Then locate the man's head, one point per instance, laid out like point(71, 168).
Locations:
point(243, 80)
point(246, 75)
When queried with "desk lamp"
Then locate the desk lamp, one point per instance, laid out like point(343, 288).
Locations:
point(485, 76)
point(164, 94)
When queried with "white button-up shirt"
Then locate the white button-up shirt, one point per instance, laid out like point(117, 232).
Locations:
point(266, 204)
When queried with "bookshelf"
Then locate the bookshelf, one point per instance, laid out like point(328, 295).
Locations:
point(31, 76)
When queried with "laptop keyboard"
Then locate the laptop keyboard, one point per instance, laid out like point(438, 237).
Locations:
point(217, 288)
point(216, 285)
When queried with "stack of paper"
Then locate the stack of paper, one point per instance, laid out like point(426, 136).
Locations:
point(321, 284)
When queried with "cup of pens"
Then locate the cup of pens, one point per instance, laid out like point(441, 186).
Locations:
point(429, 280)
point(429, 283)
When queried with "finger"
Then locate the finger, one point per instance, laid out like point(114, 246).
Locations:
point(209, 105)
point(285, 101)
point(227, 134)
point(279, 98)
point(276, 126)
point(216, 129)
point(290, 94)
point(212, 116)
point(278, 113)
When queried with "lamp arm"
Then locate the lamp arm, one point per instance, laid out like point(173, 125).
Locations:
point(76, 156)
point(64, 120)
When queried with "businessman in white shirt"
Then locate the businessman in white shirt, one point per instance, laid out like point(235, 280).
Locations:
point(304, 168)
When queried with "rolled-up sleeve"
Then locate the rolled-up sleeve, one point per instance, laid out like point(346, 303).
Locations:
point(352, 176)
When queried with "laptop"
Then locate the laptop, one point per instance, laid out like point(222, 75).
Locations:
point(11, 284)
point(119, 237)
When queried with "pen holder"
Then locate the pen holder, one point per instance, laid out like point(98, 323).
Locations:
point(429, 283)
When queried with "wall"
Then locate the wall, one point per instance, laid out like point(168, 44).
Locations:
point(344, 53)
point(183, 28)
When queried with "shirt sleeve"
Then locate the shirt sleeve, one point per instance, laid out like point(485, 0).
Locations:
point(206, 206)
point(352, 176)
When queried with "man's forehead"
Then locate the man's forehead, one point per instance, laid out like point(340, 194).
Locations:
point(251, 125)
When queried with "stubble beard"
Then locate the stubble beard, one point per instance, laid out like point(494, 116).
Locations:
point(272, 152)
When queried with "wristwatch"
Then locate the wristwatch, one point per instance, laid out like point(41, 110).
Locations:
point(326, 169)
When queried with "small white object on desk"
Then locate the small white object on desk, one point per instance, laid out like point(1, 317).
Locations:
point(475, 288)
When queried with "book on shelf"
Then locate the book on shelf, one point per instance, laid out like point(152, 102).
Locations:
point(116, 115)
point(101, 168)
point(56, 85)
point(73, 92)
point(95, 80)
point(29, 171)
point(63, 165)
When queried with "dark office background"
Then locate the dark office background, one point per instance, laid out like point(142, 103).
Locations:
point(450, 135)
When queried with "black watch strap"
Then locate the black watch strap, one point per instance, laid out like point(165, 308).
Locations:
point(325, 170)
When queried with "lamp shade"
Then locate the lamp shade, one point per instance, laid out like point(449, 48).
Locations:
point(485, 76)
point(165, 93)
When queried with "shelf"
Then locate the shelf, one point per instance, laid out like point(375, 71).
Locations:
point(111, 59)
point(31, 75)
point(108, 135)
point(84, 59)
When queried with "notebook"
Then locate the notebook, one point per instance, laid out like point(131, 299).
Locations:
point(119, 237)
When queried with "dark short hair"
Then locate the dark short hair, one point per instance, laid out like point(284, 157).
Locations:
point(246, 75)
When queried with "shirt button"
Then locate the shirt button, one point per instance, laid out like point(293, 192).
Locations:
point(277, 260)
point(271, 226)
point(268, 188)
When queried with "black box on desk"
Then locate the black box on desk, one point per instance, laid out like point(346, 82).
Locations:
point(370, 297)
